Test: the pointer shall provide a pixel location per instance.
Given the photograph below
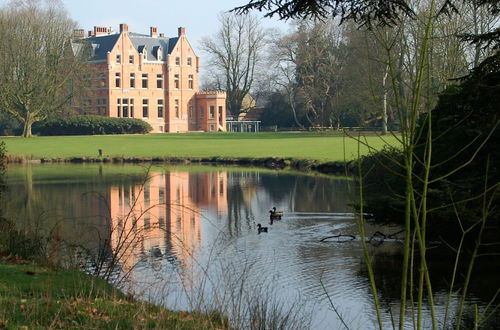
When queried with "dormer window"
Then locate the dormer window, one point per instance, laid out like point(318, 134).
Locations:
point(144, 54)
point(159, 54)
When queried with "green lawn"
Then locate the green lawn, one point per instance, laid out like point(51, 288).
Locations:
point(303, 145)
point(34, 297)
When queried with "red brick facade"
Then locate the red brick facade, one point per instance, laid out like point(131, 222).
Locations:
point(149, 77)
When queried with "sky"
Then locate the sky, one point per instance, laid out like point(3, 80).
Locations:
point(199, 17)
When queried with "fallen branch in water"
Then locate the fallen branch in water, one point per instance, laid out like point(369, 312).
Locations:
point(378, 236)
point(352, 237)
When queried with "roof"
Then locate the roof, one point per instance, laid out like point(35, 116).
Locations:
point(101, 45)
point(141, 41)
point(252, 114)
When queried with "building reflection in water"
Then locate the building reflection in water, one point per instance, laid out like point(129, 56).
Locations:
point(161, 218)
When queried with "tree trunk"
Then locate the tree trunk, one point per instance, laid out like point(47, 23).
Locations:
point(384, 108)
point(27, 128)
point(292, 106)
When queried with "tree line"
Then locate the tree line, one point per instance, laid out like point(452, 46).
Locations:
point(327, 74)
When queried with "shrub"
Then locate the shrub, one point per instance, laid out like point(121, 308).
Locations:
point(91, 125)
point(9, 126)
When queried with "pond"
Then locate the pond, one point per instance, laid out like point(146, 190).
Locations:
point(186, 237)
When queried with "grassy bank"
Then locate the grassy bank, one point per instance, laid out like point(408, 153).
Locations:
point(304, 145)
point(36, 297)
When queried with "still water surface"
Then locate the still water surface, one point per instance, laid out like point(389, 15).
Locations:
point(187, 237)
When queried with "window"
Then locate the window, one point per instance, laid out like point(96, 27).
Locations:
point(212, 127)
point(220, 113)
point(125, 108)
point(118, 58)
point(177, 60)
point(87, 79)
point(176, 81)
point(132, 80)
point(117, 79)
point(160, 108)
point(144, 80)
point(87, 103)
point(176, 108)
point(202, 113)
point(126, 196)
point(191, 109)
point(159, 80)
point(144, 54)
point(190, 81)
point(212, 112)
point(161, 195)
point(101, 106)
point(101, 77)
point(189, 61)
point(146, 195)
point(131, 59)
point(145, 108)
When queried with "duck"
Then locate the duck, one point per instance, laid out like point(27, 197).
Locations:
point(261, 229)
point(273, 214)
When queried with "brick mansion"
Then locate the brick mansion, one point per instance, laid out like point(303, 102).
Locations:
point(149, 77)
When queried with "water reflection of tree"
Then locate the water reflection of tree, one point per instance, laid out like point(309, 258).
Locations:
point(308, 193)
point(76, 207)
point(241, 188)
point(302, 193)
point(325, 194)
point(386, 266)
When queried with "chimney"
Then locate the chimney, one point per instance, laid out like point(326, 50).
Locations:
point(79, 33)
point(153, 32)
point(162, 35)
point(182, 31)
point(101, 30)
point(91, 33)
point(123, 28)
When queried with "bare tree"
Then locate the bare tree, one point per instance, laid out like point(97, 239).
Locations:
point(36, 61)
point(284, 55)
point(309, 66)
point(236, 51)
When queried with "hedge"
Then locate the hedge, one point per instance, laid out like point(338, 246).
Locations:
point(91, 125)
